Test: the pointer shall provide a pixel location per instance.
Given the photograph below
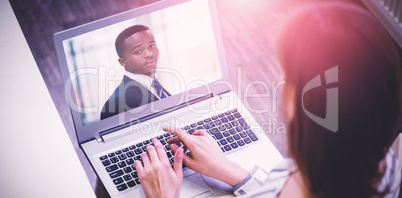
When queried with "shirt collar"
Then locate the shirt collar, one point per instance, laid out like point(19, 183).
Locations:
point(141, 78)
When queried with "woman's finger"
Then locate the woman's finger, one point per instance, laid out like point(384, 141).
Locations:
point(160, 150)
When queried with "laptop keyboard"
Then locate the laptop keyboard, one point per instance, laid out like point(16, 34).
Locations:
point(229, 129)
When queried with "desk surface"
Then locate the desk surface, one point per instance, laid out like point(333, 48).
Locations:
point(38, 159)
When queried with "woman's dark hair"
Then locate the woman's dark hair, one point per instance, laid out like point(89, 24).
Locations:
point(317, 38)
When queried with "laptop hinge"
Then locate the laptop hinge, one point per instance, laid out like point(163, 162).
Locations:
point(99, 139)
point(126, 129)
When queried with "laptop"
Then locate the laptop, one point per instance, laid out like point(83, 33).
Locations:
point(191, 66)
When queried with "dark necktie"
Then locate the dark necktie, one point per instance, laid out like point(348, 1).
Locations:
point(158, 89)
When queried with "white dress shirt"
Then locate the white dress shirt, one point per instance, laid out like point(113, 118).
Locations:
point(146, 81)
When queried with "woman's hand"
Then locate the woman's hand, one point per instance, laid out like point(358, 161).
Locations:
point(157, 177)
point(207, 157)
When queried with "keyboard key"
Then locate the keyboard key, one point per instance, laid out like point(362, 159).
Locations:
point(235, 123)
point(243, 124)
point(227, 113)
point(223, 142)
point(216, 133)
point(130, 161)
point(223, 150)
point(200, 122)
point(127, 177)
point(139, 144)
point(228, 125)
point(112, 168)
point(237, 115)
point(252, 135)
point(114, 159)
point(179, 144)
point(163, 142)
point(199, 127)
point(186, 127)
point(122, 164)
point(239, 128)
point(240, 143)
point(169, 154)
point(227, 148)
point(111, 154)
point(103, 157)
point(122, 187)
point(222, 128)
point(106, 162)
point(116, 174)
point(193, 125)
point(230, 139)
point(168, 138)
point(231, 117)
point(131, 183)
point(243, 134)
point(118, 152)
point(118, 181)
point(234, 111)
point(132, 147)
point(224, 120)
point(137, 181)
point(127, 169)
point(221, 115)
point(125, 149)
point(167, 147)
point(247, 140)
point(191, 131)
point(236, 137)
point(159, 137)
point(232, 131)
point(137, 158)
point(144, 148)
point(234, 145)
point(218, 122)
point(138, 151)
point(166, 135)
point(146, 142)
point(130, 154)
point(209, 125)
point(134, 174)
point(225, 133)
point(207, 120)
point(214, 117)
point(122, 156)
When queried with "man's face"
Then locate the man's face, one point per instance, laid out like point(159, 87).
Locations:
point(140, 53)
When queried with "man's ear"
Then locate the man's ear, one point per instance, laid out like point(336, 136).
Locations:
point(122, 62)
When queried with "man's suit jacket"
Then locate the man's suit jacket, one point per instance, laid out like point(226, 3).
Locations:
point(128, 95)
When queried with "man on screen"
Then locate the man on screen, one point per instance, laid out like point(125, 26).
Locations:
point(138, 54)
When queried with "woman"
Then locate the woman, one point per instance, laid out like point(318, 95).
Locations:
point(353, 161)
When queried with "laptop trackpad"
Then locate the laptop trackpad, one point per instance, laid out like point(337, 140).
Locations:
point(194, 185)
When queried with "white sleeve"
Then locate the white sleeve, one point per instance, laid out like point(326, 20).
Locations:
point(255, 180)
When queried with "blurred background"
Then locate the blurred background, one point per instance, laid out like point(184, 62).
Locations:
point(249, 29)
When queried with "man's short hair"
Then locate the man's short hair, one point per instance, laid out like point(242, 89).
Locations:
point(126, 33)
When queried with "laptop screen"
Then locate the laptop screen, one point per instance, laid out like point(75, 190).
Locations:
point(178, 48)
